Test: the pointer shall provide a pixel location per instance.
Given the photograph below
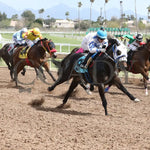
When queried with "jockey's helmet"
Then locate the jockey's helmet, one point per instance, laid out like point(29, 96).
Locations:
point(36, 31)
point(102, 34)
point(24, 30)
point(139, 37)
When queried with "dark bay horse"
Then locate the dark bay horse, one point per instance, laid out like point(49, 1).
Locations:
point(8, 58)
point(35, 57)
point(102, 72)
point(140, 63)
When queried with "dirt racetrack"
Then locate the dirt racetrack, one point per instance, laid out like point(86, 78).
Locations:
point(83, 126)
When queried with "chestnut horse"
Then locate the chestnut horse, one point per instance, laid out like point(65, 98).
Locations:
point(35, 57)
point(140, 63)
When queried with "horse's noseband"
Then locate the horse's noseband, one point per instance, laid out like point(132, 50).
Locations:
point(51, 45)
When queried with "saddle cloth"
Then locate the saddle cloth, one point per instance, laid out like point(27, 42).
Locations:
point(77, 67)
point(23, 55)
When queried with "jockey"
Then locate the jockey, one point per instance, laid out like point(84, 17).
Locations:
point(31, 37)
point(94, 43)
point(135, 44)
point(18, 40)
point(17, 37)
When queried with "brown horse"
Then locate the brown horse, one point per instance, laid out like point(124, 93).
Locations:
point(35, 57)
point(140, 63)
point(8, 57)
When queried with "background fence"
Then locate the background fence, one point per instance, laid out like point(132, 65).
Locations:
point(65, 48)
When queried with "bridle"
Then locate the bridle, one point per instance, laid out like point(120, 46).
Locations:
point(46, 47)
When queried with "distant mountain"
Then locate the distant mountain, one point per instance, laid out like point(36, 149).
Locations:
point(7, 9)
point(59, 11)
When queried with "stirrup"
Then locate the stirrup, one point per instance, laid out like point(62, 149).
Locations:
point(83, 66)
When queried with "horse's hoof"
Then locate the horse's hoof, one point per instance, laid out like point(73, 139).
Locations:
point(88, 92)
point(12, 80)
point(23, 73)
point(50, 88)
point(136, 100)
point(91, 87)
point(64, 106)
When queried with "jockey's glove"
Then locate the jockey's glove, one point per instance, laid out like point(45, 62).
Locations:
point(101, 50)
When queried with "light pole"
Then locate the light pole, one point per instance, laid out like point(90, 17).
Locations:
point(136, 17)
point(106, 1)
point(91, 12)
point(79, 5)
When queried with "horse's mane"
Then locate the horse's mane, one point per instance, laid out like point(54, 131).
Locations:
point(111, 42)
point(44, 39)
point(72, 52)
point(6, 46)
point(143, 46)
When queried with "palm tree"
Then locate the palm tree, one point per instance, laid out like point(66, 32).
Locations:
point(41, 11)
point(79, 5)
point(148, 12)
point(67, 14)
point(92, 1)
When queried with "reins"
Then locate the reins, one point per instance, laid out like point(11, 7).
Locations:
point(45, 48)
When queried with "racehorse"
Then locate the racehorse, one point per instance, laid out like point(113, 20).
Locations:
point(102, 72)
point(140, 63)
point(35, 57)
point(119, 54)
point(7, 57)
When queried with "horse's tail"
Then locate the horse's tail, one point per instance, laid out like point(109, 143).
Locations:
point(3, 49)
point(1, 52)
point(57, 63)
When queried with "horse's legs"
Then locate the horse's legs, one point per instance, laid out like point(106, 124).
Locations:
point(18, 68)
point(45, 65)
point(86, 88)
point(41, 70)
point(145, 79)
point(107, 88)
point(60, 80)
point(73, 85)
point(145, 75)
point(145, 84)
point(102, 95)
point(23, 71)
point(120, 86)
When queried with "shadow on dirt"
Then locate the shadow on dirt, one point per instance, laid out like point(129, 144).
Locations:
point(62, 111)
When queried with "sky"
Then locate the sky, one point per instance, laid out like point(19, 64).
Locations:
point(141, 5)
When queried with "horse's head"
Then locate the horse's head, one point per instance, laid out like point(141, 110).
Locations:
point(52, 50)
point(119, 53)
point(49, 46)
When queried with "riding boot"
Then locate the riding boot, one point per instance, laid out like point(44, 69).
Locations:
point(25, 50)
point(87, 61)
point(130, 54)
